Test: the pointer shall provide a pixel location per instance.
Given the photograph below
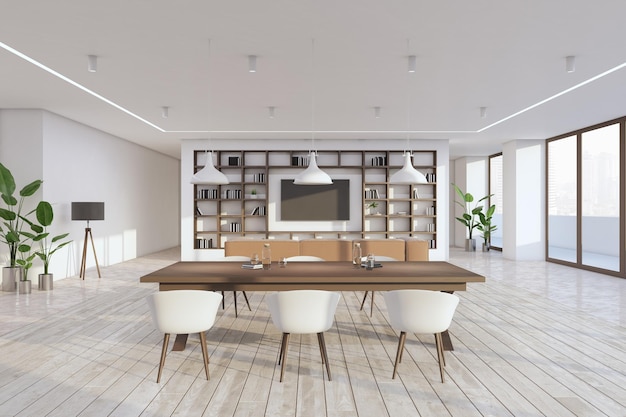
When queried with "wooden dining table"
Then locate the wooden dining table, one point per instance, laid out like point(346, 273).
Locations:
point(330, 276)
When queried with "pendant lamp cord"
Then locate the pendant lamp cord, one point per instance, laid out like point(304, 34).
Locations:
point(408, 100)
point(313, 96)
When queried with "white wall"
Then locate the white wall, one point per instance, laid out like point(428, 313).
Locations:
point(188, 252)
point(78, 163)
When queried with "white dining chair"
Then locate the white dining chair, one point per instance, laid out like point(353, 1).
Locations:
point(302, 312)
point(184, 312)
point(236, 258)
point(422, 312)
point(304, 258)
point(378, 259)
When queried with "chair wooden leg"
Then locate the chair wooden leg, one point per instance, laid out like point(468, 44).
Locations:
point(372, 306)
point(235, 298)
point(439, 344)
point(439, 339)
point(223, 303)
point(364, 298)
point(166, 341)
point(284, 355)
point(247, 302)
point(399, 353)
point(205, 354)
point(322, 342)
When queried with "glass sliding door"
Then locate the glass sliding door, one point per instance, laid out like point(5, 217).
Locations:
point(600, 199)
point(495, 190)
point(562, 199)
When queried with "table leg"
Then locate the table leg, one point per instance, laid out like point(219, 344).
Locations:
point(180, 342)
point(445, 338)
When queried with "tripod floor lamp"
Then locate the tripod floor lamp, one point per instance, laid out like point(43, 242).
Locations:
point(88, 211)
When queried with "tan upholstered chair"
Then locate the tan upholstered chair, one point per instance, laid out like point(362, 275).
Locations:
point(280, 248)
point(393, 248)
point(328, 249)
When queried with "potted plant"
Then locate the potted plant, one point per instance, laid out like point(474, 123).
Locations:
point(25, 260)
point(253, 193)
point(12, 223)
point(47, 246)
point(486, 227)
point(372, 207)
point(470, 216)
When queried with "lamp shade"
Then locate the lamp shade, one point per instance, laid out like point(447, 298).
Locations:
point(209, 174)
point(87, 211)
point(312, 175)
point(407, 174)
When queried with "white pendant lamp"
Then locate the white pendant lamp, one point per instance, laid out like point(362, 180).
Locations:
point(209, 174)
point(313, 175)
point(407, 174)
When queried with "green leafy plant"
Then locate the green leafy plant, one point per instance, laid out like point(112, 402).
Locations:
point(253, 191)
point(471, 213)
point(11, 213)
point(485, 225)
point(47, 246)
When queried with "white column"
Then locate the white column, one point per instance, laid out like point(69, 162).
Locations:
point(524, 200)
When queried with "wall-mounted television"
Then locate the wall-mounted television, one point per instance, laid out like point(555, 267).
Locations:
point(314, 202)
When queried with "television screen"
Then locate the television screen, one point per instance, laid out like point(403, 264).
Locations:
point(315, 202)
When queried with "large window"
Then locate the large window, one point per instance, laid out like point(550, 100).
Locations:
point(586, 219)
point(495, 190)
point(562, 197)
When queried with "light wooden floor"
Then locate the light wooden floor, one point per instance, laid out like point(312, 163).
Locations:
point(536, 339)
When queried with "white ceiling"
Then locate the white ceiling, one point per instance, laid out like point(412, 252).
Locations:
point(503, 55)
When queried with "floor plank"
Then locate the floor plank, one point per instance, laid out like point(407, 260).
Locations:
point(536, 339)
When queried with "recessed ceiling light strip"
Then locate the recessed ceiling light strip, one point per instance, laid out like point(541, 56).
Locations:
point(557, 95)
point(75, 84)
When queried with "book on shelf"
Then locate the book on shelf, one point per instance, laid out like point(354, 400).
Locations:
point(416, 193)
point(258, 211)
point(235, 227)
point(259, 177)
point(371, 193)
point(431, 177)
point(430, 211)
point(202, 243)
point(198, 211)
point(379, 161)
point(233, 161)
point(232, 194)
point(299, 161)
point(207, 193)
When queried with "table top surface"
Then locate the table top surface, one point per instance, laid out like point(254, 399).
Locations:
point(312, 272)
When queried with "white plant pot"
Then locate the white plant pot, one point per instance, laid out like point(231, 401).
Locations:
point(470, 245)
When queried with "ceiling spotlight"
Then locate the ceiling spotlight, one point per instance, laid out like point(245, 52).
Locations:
point(165, 112)
point(570, 63)
point(271, 111)
point(251, 63)
point(412, 63)
point(483, 112)
point(377, 112)
point(92, 63)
